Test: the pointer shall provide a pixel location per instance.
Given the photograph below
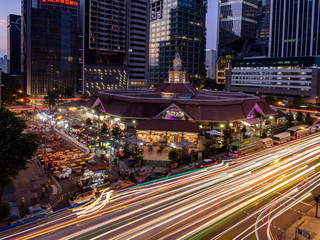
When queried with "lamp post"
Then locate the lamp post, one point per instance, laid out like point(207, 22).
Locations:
point(317, 199)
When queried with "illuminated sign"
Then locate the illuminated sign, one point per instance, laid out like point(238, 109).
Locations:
point(67, 2)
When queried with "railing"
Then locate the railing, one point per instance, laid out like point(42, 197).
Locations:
point(74, 142)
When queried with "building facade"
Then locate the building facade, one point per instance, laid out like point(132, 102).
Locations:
point(103, 45)
point(287, 77)
point(113, 46)
point(295, 28)
point(50, 45)
point(238, 24)
point(177, 25)
point(14, 44)
point(211, 57)
point(138, 41)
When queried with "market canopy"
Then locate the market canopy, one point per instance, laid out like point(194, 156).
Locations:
point(214, 133)
point(134, 141)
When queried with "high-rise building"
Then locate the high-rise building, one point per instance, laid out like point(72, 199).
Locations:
point(50, 45)
point(138, 12)
point(4, 63)
point(114, 44)
point(211, 57)
point(177, 26)
point(263, 20)
point(238, 24)
point(14, 44)
point(295, 28)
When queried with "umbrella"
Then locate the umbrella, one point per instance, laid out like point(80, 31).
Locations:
point(183, 143)
point(214, 133)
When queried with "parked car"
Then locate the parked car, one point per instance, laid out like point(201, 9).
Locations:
point(206, 163)
point(30, 212)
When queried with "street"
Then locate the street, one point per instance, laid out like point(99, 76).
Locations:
point(220, 202)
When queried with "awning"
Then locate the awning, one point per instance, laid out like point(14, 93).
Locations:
point(252, 121)
point(214, 133)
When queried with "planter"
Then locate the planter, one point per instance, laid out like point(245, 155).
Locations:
point(174, 164)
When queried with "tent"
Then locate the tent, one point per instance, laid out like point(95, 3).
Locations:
point(214, 133)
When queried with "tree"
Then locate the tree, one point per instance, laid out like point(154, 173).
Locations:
point(298, 101)
point(289, 120)
point(16, 147)
point(299, 117)
point(68, 91)
point(116, 131)
point(227, 135)
point(88, 123)
point(270, 100)
point(173, 155)
point(104, 129)
point(10, 88)
point(51, 99)
point(243, 131)
point(309, 119)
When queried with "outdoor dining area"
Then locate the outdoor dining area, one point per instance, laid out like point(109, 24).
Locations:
point(59, 157)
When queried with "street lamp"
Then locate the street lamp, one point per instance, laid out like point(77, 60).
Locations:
point(317, 199)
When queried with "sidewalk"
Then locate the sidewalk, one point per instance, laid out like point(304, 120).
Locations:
point(308, 223)
point(28, 183)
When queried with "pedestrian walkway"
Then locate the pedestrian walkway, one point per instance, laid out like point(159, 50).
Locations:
point(30, 183)
point(308, 223)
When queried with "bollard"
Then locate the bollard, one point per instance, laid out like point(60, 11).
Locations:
point(43, 191)
point(49, 181)
point(47, 185)
point(36, 197)
point(23, 201)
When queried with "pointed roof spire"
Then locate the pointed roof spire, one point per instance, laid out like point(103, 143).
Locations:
point(177, 63)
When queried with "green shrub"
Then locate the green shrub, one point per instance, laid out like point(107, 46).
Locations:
point(4, 209)
point(173, 155)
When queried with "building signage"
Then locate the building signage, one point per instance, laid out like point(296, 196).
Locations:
point(66, 2)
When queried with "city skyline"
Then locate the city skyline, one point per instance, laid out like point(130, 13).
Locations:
point(14, 7)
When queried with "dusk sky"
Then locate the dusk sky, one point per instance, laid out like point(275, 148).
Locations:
point(14, 7)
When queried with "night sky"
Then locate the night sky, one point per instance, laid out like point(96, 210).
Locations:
point(14, 7)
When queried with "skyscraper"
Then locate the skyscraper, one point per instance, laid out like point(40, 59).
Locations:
point(138, 13)
point(50, 45)
point(295, 28)
point(263, 20)
point(14, 44)
point(238, 24)
point(177, 26)
point(114, 44)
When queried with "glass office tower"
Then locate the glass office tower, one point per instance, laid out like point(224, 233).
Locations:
point(177, 26)
point(295, 28)
point(238, 24)
point(51, 43)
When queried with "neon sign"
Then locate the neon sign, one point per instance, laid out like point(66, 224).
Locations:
point(67, 2)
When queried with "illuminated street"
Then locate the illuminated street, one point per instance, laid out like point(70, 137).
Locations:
point(215, 202)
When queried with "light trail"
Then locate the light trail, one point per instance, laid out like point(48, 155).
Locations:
point(184, 206)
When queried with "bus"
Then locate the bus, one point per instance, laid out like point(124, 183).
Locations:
point(299, 131)
point(81, 196)
point(267, 142)
point(245, 146)
point(281, 138)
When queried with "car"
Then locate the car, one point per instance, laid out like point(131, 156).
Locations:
point(30, 213)
point(206, 163)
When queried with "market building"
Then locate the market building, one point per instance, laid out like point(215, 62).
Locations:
point(175, 113)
